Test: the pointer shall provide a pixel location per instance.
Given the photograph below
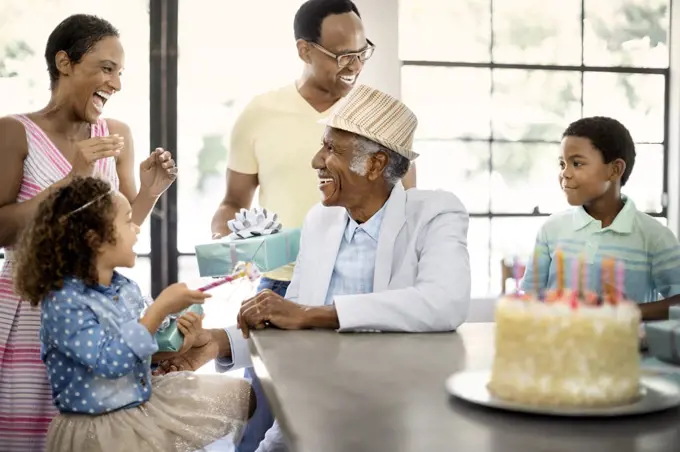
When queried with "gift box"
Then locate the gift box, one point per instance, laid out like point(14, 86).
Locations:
point(674, 312)
point(663, 340)
point(656, 367)
point(257, 237)
point(267, 252)
point(168, 337)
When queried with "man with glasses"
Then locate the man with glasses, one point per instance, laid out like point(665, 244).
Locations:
point(278, 133)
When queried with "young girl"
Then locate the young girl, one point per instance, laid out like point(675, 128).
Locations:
point(96, 347)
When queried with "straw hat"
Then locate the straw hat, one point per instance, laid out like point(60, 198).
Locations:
point(377, 116)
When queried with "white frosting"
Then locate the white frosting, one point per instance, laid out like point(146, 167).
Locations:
point(624, 311)
point(596, 388)
point(550, 353)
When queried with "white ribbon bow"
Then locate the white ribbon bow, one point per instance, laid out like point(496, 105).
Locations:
point(252, 223)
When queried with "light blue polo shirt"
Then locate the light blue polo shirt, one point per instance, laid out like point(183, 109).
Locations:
point(649, 251)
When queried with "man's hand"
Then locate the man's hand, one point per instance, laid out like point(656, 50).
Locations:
point(192, 360)
point(269, 308)
point(216, 345)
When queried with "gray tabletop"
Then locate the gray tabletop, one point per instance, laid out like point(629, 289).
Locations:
point(385, 393)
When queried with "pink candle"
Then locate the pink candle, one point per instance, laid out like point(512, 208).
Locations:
point(574, 282)
point(619, 280)
point(516, 275)
point(537, 288)
point(559, 258)
point(584, 275)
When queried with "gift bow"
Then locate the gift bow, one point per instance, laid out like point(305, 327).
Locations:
point(252, 223)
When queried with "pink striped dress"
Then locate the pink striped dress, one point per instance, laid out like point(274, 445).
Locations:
point(26, 407)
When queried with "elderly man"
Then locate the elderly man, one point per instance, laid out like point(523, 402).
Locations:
point(372, 255)
point(278, 133)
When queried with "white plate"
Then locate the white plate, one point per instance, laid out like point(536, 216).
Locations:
point(656, 394)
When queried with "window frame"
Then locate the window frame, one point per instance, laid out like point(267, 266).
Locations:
point(582, 69)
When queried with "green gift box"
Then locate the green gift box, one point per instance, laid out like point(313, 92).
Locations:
point(168, 337)
point(674, 312)
point(663, 340)
point(656, 367)
point(267, 252)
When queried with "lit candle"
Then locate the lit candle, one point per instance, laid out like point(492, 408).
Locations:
point(537, 287)
point(517, 276)
point(574, 283)
point(583, 275)
point(619, 280)
point(559, 256)
point(608, 280)
point(612, 281)
point(603, 278)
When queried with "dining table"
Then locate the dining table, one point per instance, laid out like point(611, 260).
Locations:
point(385, 392)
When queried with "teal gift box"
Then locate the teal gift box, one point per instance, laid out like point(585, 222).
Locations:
point(674, 312)
point(663, 340)
point(267, 252)
point(168, 337)
point(656, 367)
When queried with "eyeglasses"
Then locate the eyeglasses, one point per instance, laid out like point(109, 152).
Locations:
point(348, 58)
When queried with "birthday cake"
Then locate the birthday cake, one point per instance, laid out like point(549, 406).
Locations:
point(567, 348)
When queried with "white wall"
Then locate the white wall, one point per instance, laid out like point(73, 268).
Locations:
point(674, 125)
point(383, 70)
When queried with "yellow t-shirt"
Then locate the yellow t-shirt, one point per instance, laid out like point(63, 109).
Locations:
point(276, 136)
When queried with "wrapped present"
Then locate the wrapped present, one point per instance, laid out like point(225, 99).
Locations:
point(256, 237)
point(674, 312)
point(663, 340)
point(168, 337)
point(656, 367)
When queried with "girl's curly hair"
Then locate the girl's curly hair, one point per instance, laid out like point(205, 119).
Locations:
point(68, 229)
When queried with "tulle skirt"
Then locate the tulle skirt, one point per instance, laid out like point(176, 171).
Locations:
point(186, 412)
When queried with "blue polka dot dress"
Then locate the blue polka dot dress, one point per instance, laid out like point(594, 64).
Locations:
point(98, 358)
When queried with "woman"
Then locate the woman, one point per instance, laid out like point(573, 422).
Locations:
point(41, 152)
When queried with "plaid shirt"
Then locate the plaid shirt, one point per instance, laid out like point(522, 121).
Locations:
point(355, 262)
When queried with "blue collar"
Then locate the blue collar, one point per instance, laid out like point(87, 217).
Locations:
point(370, 227)
point(623, 223)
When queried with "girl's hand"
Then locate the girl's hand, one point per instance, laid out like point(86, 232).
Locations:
point(191, 327)
point(177, 297)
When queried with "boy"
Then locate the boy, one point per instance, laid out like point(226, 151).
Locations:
point(597, 158)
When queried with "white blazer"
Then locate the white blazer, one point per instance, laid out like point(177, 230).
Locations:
point(422, 268)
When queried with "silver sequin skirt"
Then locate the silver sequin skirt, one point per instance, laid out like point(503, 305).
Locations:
point(186, 412)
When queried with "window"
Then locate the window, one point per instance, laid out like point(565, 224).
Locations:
point(494, 93)
point(24, 83)
point(215, 81)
